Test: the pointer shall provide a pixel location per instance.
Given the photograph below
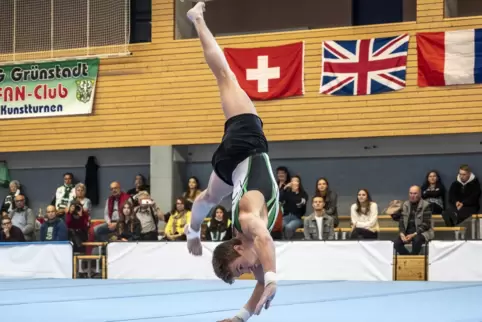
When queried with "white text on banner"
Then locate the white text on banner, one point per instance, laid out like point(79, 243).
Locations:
point(365, 261)
point(455, 261)
point(36, 260)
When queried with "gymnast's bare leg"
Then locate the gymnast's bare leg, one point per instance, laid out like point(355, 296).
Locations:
point(233, 98)
point(234, 101)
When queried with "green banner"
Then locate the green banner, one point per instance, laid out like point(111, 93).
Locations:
point(48, 89)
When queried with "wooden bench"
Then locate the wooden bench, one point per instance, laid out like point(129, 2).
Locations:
point(344, 231)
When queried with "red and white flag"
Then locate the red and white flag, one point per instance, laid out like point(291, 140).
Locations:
point(269, 72)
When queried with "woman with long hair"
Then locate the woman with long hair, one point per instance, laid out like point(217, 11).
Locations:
point(219, 227)
point(364, 217)
point(322, 189)
point(193, 191)
point(128, 227)
point(180, 216)
point(433, 191)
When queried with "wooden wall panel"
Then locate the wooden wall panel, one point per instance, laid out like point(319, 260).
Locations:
point(165, 94)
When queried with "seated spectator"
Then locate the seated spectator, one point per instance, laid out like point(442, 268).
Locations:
point(464, 194)
point(193, 190)
point(322, 189)
point(9, 200)
point(9, 232)
point(113, 205)
point(140, 184)
point(219, 228)
point(433, 191)
point(294, 198)
point(54, 229)
point(364, 217)
point(146, 212)
point(414, 223)
point(283, 177)
point(129, 227)
point(80, 191)
point(318, 225)
point(179, 218)
point(63, 195)
point(77, 221)
point(23, 218)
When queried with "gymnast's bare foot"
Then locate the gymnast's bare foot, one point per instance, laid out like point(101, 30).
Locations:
point(196, 12)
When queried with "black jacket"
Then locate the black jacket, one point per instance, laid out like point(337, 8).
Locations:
point(468, 193)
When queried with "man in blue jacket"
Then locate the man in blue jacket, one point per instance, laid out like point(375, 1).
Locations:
point(54, 229)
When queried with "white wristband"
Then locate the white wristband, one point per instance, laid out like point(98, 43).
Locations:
point(269, 277)
point(192, 234)
point(243, 315)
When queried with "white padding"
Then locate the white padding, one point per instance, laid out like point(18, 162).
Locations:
point(458, 260)
point(342, 260)
point(36, 260)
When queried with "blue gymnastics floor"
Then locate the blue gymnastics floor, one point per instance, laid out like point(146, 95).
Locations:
point(181, 300)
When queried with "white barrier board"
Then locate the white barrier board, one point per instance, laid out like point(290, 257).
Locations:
point(36, 260)
point(455, 261)
point(317, 260)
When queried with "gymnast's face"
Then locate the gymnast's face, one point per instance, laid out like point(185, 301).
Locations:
point(246, 262)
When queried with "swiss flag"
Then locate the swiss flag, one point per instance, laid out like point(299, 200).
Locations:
point(269, 72)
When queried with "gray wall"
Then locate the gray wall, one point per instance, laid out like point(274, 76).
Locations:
point(41, 172)
point(386, 178)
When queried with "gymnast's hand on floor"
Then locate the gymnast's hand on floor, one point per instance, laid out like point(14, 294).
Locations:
point(266, 298)
point(235, 319)
point(193, 243)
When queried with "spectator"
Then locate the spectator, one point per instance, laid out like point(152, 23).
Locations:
point(113, 204)
point(146, 212)
point(464, 194)
point(294, 198)
point(193, 191)
point(23, 218)
point(414, 223)
point(180, 216)
point(364, 217)
point(9, 232)
point(63, 195)
point(219, 227)
point(322, 189)
point(140, 184)
point(80, 192)
point(9, 201)
point(283, 177)
point(129, 226)
point(318, 225)
point(54, 229)
point(433, 191)
point(77, 220)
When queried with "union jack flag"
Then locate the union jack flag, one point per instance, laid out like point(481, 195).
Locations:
point(364, 67)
